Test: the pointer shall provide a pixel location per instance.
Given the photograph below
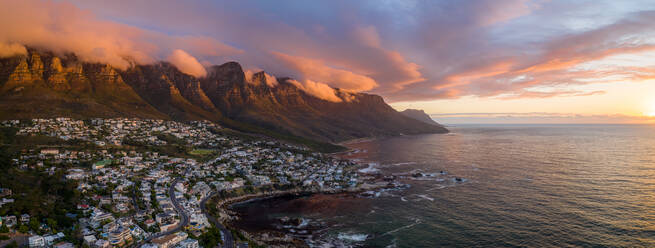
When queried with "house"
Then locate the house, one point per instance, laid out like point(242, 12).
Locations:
point(36, 241)
point(24, 218)
point(9, 221)
point(5, 192)
point(189, 243)
point(4, 201)
point(149, 223)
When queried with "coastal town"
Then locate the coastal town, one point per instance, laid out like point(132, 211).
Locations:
point(147, 183)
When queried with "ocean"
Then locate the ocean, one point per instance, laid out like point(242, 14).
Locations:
point(489, 186)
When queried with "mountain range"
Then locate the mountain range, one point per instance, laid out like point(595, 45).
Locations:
point(43, 85)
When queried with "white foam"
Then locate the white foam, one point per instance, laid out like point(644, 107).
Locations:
point(426, 197)
point(403, 163)
point(370, 169)
point(303, 223)
point(416, 222)
point(353, 237)
point(403, 199)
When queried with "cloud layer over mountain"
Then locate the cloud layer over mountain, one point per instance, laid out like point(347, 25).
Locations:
point(403, 50)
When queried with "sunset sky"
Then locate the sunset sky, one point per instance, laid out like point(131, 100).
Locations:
point(494, 61)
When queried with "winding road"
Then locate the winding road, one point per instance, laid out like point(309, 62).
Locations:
point(228, 241)
point(184, 219)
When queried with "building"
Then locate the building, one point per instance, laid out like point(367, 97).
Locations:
point(150, 222)
point(119, 236)
point(101, 243)
point(170, 240)
point(50, 151)
point(24, 218)
point(100, 216)
point(189, 243)
point(90, 240)
point(5, 192)
point(36, 241)
point(9, 221)
point(49, 240)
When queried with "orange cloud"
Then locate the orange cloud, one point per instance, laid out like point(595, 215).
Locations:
point(187, 63)
point(11, 49)
point(316, 70)
point(476, 73)
point(396, 70)
point(62, 27)
point(316, 89)
point(547, 94)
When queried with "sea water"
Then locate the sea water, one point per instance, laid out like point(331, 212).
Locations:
point(520, 186)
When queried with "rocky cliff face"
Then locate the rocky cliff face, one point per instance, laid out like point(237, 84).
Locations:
point(285, 108)
point(44, 85)
point(171, 92)
point(65, 87)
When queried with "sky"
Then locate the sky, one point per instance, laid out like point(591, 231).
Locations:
point(486, 61)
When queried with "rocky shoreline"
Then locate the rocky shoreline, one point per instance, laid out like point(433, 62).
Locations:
point(277, 238)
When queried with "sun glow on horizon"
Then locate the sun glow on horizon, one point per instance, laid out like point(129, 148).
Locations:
point(651, 111)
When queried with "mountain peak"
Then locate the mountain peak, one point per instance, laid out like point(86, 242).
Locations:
point(37, 66)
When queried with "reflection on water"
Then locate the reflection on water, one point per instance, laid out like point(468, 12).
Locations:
point(523, 185)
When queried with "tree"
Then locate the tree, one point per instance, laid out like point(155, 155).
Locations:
point(34, 224)
point(4, 229)
point(211, 238)
point(52, 223)
point(23, 229)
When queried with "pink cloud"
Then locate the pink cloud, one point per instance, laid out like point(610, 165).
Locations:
point(11, 49)
point(427, 50)
point(63, 27)
point(316, 70)
point(316, 89)
point(187, 63)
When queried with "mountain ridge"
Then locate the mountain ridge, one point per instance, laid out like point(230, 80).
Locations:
point(41, 84)
point(419, 115)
